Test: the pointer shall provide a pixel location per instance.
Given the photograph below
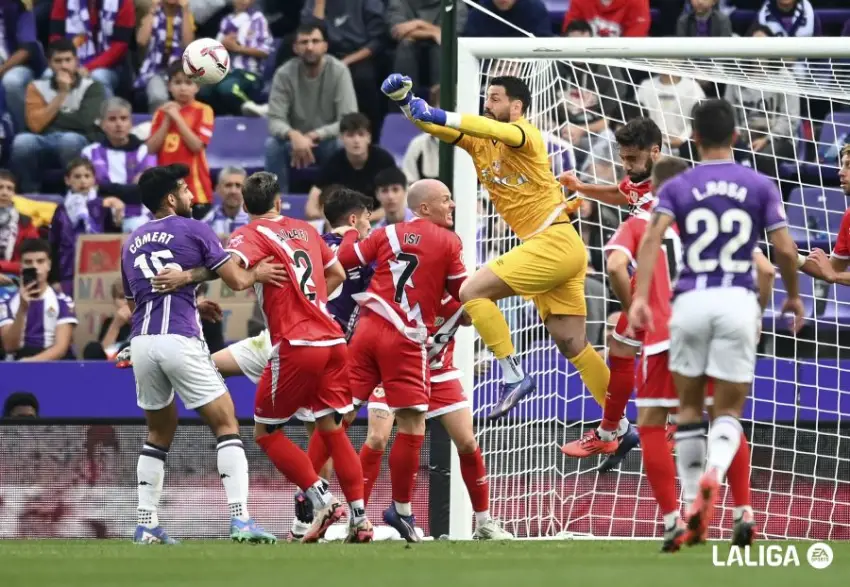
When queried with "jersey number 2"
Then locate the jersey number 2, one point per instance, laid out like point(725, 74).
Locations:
point(156, 258)
point(305, 269)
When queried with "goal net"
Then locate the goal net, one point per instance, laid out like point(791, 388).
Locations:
point(794, 114)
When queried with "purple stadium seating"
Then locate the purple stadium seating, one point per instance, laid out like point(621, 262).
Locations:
point(140, 118)
point(837, 306)
point(54, 198)
point(293, 205)
point(396, 134)
point(238, 141)
point(773, 319)
point(814, 215)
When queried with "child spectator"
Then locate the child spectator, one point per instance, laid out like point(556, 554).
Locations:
point(82, 212)
point(704, 20)
point(120, 157)
point(37, 323)
point(164, 31)
point(245, 34)
point(180, 133)
point(101, 31)
point(14, 229)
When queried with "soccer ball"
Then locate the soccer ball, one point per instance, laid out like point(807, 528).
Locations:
point(206, 61)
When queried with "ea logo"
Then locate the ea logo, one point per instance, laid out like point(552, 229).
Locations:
point(819, 555)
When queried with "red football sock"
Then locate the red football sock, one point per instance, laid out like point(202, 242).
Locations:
point(318, 451)
point(370, 461)
point(660, 467)
point(620, 388)
point(290, 460)
point(475, 478)
point(404, 465)
point(738, 474)
point(347, 465)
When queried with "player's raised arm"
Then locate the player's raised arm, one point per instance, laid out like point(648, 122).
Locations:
point(398, 87)
point(334, 272)
point(640, 316)
point(353, 253)
point(765, 276)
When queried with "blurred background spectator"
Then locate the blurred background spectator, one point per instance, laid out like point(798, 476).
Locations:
point(101, 30)
point(704, 19)
point(163, 33)
point(61, 114)
point(229, 215)
point(525, 15)
point(21, 57)
point(37, 323)
point(790, 18)
point(611, 18)
point(21, 404)
point(354, 166)
point(391, 194)
point(15, 228)
point(668, 100)
point(309, 97)
point(357, 35)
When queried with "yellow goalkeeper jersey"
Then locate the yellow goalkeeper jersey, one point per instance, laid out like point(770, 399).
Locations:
point(519, 180)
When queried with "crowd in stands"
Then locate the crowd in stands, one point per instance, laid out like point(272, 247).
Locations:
point(93, 93)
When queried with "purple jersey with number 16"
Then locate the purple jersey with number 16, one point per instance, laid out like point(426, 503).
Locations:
point(722, 209)
point(176, 243)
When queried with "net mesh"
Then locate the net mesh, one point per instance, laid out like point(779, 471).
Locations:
point(792, 114)
point(79, 481)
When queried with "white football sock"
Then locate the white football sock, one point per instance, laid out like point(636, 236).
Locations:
point(690, 458)
point(482, 517)
point(150, 472)
point(670, 521)
point(233, 470)
point(319, 495)
point(403, 509)
point(606, 435)
point(739, 512)
point(357, 509)
point(623, 426)
point(724, 438)
point(511, 369)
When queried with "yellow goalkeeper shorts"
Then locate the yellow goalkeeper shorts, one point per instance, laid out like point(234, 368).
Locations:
point(549, 269)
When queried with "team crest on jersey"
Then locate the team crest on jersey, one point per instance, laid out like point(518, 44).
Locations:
point(497, 166)
point(235, 241)
point(51, 312)
point(378, 392)
point(439, 321)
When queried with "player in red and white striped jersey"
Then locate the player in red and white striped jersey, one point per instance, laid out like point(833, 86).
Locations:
point(640, 146)
point(415, 263)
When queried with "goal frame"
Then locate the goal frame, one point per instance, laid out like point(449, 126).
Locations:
point(470, 52)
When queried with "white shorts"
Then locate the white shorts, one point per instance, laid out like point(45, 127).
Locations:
point(252, 356)
point(167, 363)
point(714, 332)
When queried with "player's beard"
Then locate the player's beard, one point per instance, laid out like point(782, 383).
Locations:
point(185, 212)
point(643, 176)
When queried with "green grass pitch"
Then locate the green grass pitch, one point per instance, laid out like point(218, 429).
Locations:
point(112, 563)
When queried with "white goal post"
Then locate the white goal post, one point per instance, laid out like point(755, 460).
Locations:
point(799, 416)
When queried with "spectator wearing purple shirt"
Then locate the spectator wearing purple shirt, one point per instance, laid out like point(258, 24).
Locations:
point(790, 18)
point(245, 34)
point(120, 157)
point(164, 32)
point(84, 211)
point(37, 323)
point(230, 214)
point(19, 54)
point(703, 20)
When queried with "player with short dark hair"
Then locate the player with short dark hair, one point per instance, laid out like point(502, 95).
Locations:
point(549, 266)
point(721, 209)
point(308, 367)
point(168, 349)
point(640, 146)
point(416, 263)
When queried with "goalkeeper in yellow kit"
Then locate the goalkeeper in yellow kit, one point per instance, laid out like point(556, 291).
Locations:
point(549, 266)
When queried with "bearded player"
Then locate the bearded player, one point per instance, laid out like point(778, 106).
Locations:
point(833, 268)
point(549, 267)
point(416, 262)
point(640, 146)
point(721, 209)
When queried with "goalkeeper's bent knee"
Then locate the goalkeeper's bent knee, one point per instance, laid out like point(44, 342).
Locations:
point(491, 326)
point(594, 372)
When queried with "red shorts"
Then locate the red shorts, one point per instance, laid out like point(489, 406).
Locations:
point(381, 355)
point(311, 377)
point(656, 384)
point(446, 397)
point(619, 333)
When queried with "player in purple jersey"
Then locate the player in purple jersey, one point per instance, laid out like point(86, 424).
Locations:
point(168, 350)
point(721, 210)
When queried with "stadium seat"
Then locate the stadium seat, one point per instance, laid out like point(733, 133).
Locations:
point(396, 134)
point(52, 198)
point(141, 118)
point(772, 319)
point(293, 205)
point(814, 215)
point(238, 141)
point(837, 310)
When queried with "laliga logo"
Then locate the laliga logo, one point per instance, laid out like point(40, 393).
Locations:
point(819, 556)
